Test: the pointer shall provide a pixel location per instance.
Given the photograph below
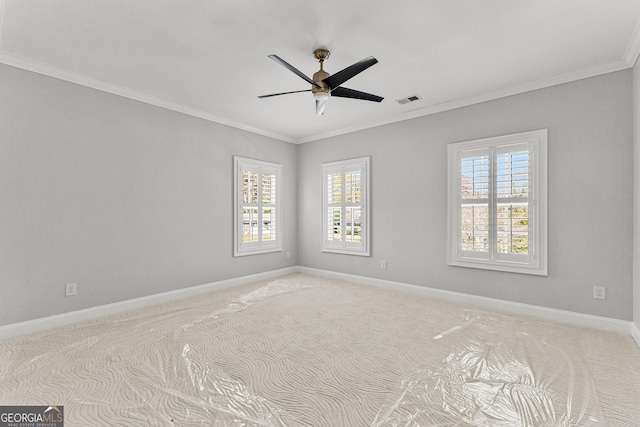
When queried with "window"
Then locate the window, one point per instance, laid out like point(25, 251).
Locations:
point(497, 203)
point(257, 213)
point(345, 218)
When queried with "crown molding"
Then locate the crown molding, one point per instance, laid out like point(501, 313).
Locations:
point(80, 79)
point(633, 48)
point(477, 99)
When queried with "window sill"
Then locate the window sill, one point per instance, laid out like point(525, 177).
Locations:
point(502, 266)
point(346, 252)
point(256, 252)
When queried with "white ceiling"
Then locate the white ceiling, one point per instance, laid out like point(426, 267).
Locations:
point(208, 58)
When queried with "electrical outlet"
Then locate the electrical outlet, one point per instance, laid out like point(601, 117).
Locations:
point(599, 292)
point(70, 289)
point(288, 254)
point(383, 265)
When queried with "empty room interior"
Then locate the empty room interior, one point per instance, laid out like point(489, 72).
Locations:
point(235, 213)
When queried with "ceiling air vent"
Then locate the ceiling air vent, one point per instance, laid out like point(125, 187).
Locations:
point(408, 99)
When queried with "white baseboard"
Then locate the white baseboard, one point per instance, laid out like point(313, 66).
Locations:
point(635, 333)
point(579, 319)
point(56, 321)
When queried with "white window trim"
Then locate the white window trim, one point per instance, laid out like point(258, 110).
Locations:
point(239, 248)
point(538, 265)
point(362, 249)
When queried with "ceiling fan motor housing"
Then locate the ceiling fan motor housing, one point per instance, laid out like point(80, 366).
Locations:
point(318, 77)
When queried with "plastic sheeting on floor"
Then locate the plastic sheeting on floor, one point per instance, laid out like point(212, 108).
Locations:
point(497, 373)
point(305, 351)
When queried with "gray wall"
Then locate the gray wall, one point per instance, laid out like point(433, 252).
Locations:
point(122, 198)
point(636, 194)
point(590, 196)
point(129, 200)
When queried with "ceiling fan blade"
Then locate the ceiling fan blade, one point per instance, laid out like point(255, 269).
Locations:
point(293, 69)
point(355, 94)
point(342, 76)
point(283, 93)
point(320, 107)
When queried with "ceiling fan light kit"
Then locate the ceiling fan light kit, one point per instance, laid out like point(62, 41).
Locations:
point(321, 96)
point(324, 85)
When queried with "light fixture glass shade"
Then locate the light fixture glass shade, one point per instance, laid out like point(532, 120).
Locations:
point(321, 96)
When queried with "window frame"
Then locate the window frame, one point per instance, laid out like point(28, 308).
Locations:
point(241, 248)
point(535, 262)
point(361, 248)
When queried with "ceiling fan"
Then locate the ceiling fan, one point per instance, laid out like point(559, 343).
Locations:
point(324, 85)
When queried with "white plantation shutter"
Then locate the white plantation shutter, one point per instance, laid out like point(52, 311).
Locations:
point(512, 202)
point(474, 203)
point(345, 224)
point(257, 214)
point(497, 203)
point(268, 222)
